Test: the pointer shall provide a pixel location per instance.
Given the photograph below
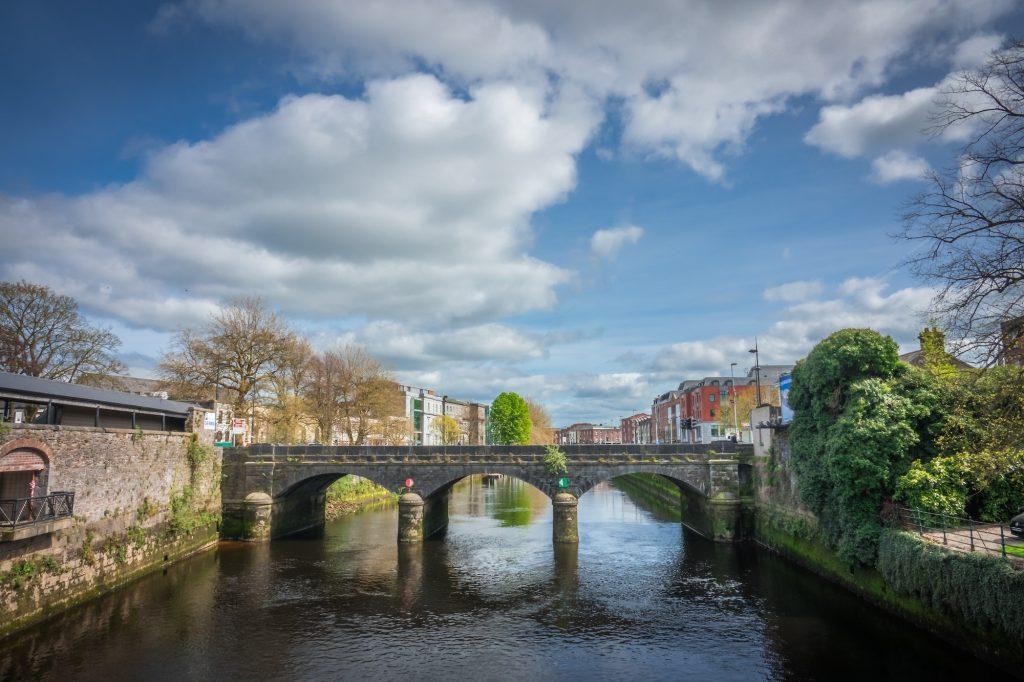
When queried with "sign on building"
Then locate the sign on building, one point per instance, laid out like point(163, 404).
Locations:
point(787, 411)
point(209, 421)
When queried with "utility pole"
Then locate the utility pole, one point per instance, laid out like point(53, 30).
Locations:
point(735, 398)
point(757, 370)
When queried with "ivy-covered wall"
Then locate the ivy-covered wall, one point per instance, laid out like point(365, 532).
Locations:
point(974, 601)
point(142, 499)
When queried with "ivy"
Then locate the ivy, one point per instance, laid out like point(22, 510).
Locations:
point(983, 590)
point(861, 417)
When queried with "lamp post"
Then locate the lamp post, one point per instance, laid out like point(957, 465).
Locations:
point(757, 370)
point(735, 397)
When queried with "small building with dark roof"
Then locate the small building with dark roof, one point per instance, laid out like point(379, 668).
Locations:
point(25, 399)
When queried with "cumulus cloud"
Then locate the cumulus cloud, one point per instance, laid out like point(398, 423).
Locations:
point(685, 94)
point(606, 243)
point(857, 302)
point(880, 123)
point(898, 165)
point(793, 291)
point(410, 203)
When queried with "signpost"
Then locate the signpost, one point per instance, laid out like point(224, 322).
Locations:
point(563, 482)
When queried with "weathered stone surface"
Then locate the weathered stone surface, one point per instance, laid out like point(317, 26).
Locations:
point(123, 483)
point(564, 525)
point(410, 518)
point(296, 477)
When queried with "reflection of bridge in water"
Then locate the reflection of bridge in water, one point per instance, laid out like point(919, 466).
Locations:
point(270, 490)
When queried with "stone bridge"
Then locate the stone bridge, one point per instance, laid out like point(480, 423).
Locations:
point(270, 490)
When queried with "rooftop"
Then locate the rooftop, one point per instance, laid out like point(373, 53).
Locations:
point(36, 390)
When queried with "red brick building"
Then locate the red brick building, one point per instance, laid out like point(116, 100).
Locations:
point(584, 433)
point(636, 429)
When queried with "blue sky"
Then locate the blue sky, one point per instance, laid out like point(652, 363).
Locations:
point(586, 203)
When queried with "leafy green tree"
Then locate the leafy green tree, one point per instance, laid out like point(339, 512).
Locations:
point(861, 417)
point(510, 420)
point(447, 430)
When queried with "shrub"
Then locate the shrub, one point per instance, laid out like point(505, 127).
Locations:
point(555, 462)
point(860, 417)
point(983, 590)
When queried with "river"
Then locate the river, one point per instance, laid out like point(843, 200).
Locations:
point(641, 598)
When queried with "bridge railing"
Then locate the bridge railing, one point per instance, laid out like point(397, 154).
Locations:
point(523, 454)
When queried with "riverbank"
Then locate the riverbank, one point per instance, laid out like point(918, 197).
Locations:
point(350, 494)
point(971, 601)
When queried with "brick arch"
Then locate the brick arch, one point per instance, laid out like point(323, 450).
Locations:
point(27, 444)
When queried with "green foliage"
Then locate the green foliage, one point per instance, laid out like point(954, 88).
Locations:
point(87, 553)
point(986, 485)
point(197, 455)
point(185, 518)
point(5, 428)
point(146, 510)
point(861, 416)
point(555, 462)
point(117, 547)
point(24, 571)
point(137, 434)
point(355, 488)
point(136, 536)
point(510, 420)
point(983, 590)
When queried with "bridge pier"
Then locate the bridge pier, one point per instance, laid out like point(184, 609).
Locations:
point(410, 518)
point(564, 519)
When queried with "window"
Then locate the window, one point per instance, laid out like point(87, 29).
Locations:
point(711, 397)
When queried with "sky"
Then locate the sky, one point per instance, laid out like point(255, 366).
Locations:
point(583, 202)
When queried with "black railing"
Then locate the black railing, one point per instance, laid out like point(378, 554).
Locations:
point(36, 509)
point(965, 535)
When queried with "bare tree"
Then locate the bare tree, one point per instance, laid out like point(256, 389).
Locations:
point(350, 390)
point(241, 349)
point(286, 402)
point(43, 335)
point(541, 431)
point(970, 221)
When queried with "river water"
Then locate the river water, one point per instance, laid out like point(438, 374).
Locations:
point(640, 599)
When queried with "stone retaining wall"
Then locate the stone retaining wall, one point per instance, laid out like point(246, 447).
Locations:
point(140, 501)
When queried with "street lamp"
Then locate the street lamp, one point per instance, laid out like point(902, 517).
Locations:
point(735, 397)
point(757, 370)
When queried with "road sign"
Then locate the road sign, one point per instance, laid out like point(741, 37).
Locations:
point(563, 482)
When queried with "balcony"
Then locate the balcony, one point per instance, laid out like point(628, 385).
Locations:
point(31, 516)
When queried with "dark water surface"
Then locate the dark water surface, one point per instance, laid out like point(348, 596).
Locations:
point(639, 599)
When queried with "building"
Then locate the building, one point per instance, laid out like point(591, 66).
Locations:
point(585, 433)
point(31, 400)
point(424, 408)
point(636, 429)
point(933, 344)
point(665, 415)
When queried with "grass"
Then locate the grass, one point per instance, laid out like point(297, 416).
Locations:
point(1015, 550)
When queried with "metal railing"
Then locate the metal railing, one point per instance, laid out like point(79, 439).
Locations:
point(26, 510)
point(963, 534)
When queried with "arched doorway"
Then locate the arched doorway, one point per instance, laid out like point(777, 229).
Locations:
point(24, 468)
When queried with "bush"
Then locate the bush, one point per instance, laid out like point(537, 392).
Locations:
point(555, 462)
point(986, 485)
point(983, 590)
point(860, 417)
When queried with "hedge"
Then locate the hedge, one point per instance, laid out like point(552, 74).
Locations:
point(984, 591)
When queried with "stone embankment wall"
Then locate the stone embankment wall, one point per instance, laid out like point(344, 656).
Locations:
point(975, 602)
point(142, 499)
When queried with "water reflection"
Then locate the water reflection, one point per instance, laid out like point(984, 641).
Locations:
point(638, 598)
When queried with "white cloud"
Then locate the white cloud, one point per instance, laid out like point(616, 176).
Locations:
point(973, 52)
point(409, 204)
point(793, 291)
point(606, 243)
point(857, 302)
point(898, 165)
point(882, 123)
point(693, 77)
point(876, 122)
